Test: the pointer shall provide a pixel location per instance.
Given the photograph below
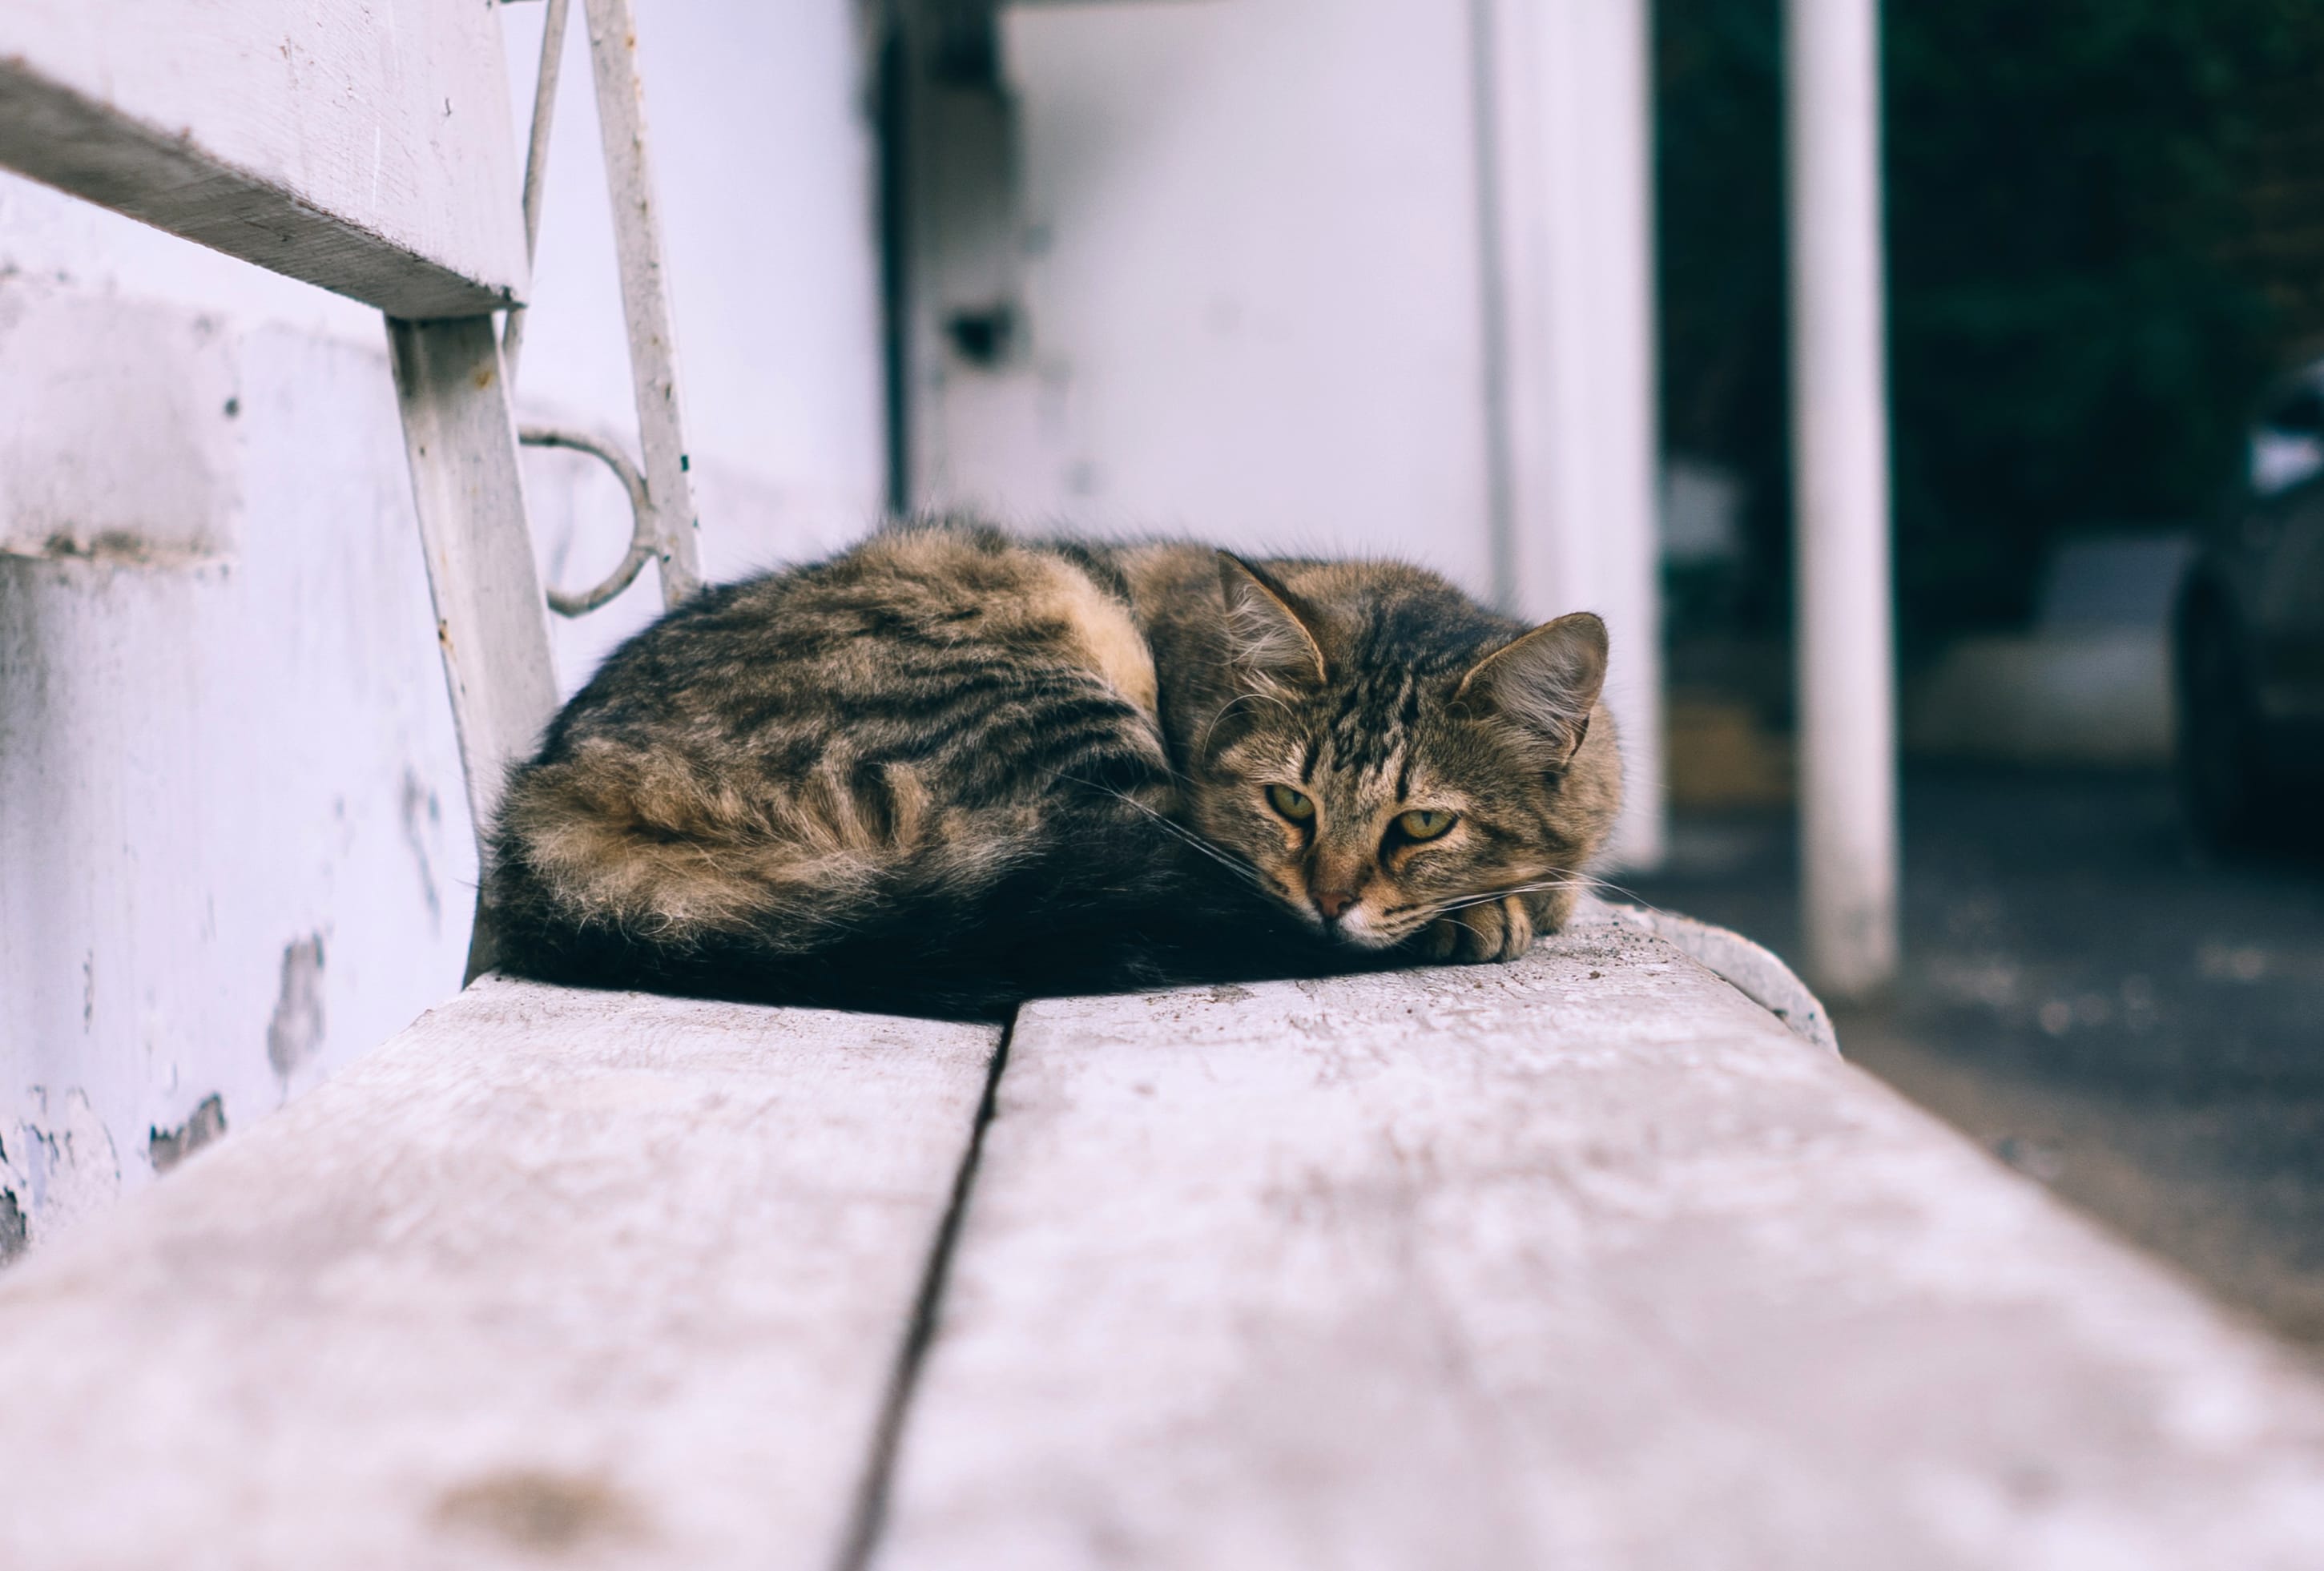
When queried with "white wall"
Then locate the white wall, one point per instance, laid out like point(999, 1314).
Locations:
point(233, 849)
point(1246, 250)
point(231, 843)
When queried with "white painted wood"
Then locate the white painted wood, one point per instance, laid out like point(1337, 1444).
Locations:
point(645, 291)
point(1839, 437)
point(1583, 1262)
point(1755, 970)
point(556, 1276)
point(362, 145)
point(470, 497)
point(1567, 188)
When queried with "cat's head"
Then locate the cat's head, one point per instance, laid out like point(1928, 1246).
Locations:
point(1387, 751)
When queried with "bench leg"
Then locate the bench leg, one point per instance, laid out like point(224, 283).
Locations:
point(461, 441)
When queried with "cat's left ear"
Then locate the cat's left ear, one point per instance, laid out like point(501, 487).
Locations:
point(1546, 682)
point(1269, 640)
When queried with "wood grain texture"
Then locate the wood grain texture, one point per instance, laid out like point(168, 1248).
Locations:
point(554, 1277)
point(363, 145)
point(469, 494)
point(1584, 1262)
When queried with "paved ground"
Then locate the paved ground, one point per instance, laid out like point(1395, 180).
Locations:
point(2140, 1027)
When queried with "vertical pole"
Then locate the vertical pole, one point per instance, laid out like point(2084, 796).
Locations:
point(1840, 435)
point(645, 290)
point(1569, 109)
point(1630, 429)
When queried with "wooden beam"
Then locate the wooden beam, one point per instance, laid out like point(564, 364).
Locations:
point(1582, 1263)
point(490, 621)
point(362, 145)
point(554, 1276)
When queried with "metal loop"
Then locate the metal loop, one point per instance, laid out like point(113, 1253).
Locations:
point(642, 541)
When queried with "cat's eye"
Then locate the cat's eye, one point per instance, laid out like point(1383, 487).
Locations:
point(1423, 824)
point(1293, 805)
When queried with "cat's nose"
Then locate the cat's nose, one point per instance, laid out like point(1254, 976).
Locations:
point(1333, 902)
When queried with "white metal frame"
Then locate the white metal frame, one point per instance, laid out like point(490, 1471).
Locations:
point(661, 490)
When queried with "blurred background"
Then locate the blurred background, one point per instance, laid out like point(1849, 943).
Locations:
point(1504, 286)
point(2105, 229)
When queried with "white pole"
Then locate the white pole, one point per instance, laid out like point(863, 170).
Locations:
point(1840, 435)
point(1566, 102)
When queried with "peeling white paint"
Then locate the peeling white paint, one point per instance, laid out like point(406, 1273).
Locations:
point(222, 725)
point(63, 1165)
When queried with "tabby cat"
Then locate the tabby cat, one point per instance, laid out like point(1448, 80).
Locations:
point(951, 768)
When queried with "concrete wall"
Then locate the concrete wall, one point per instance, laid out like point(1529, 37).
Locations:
point(233, 849)
point(1247, 291)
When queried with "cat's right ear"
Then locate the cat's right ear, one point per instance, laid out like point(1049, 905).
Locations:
point(1546, 682)
point(1266, 638)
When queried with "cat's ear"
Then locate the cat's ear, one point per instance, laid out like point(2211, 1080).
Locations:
point(1545, 682)
point(1267, 636)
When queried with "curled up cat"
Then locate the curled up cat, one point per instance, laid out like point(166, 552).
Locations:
point(952, 768)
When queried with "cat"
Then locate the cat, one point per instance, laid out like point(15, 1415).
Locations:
point(951, 768)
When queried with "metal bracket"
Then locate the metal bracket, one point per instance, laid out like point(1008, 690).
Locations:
point(644, 537)
point(661, 497)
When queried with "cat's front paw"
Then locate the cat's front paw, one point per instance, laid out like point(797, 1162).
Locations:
point(1493, 929)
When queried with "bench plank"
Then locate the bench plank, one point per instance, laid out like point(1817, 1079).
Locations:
point(1582, 1263)
point(552, 1271)
point(363, 145)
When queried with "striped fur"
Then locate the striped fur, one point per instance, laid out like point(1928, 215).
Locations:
point(948, 768)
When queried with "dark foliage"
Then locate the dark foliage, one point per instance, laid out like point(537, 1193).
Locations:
point(2106, 226)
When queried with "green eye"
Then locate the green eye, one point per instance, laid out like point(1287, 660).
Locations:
point(1293, 805)
point(1424, 824)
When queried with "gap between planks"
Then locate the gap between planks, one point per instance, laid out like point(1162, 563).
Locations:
point(870, 1513)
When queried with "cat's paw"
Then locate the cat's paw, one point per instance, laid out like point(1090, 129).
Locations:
point(1494, 930)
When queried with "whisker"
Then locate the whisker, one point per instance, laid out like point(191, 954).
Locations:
point(1217, 853)
point(1563, 881)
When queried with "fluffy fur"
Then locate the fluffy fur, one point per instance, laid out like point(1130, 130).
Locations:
point(949, 769)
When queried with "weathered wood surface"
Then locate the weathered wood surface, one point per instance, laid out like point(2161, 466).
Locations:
point(363, 145)
point(552, 1278)
point(1584, 1262)
point(1755, 970)
point(468, 491)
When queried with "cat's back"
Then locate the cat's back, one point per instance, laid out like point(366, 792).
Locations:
point(811, 750)
point(913, 613)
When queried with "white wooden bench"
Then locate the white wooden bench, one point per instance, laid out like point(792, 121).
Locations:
point(1586, 1261)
